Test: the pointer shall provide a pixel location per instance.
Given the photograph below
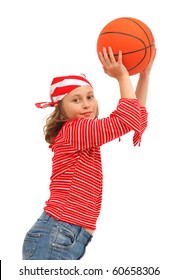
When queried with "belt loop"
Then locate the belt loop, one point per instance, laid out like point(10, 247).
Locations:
point(46, 217)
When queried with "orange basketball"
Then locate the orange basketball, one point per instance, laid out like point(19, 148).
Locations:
point(132, 37)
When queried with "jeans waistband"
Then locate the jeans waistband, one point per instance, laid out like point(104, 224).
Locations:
point(82, 235)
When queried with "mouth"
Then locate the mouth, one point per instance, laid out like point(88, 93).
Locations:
point(86, 114)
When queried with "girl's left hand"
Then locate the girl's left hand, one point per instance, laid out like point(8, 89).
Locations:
point(148, 68)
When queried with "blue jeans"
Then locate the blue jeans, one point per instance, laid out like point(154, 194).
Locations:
point(50, 239)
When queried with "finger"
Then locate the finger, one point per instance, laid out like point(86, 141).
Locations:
point(154, 51)
point(111, 54)
point(106, 56)
point(120, 57)
point(153, 54)
point(152, 58)
point(101, 57)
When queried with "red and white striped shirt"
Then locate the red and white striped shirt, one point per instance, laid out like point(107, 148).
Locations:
point(76, 180)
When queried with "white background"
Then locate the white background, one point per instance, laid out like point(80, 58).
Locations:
point(42, 39)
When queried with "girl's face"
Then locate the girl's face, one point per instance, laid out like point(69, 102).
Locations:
point(80, 103)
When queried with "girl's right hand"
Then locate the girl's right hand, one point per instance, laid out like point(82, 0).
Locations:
point(111, 67)
point(117, 70)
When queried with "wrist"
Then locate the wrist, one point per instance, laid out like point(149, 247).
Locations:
point(123, 77)
point(126, 88)
point(144, 76)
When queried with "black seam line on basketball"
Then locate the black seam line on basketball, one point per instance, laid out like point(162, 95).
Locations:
point(140, 60)
point(122, 33)
point(134, 51)
point(130, 19)
point(137, 63)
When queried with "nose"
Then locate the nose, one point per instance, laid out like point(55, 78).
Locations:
point(85, 103)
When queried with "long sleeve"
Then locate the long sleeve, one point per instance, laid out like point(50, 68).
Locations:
point(87, 133)
point(143, 124)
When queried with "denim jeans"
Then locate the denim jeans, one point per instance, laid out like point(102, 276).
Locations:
point(50, 239)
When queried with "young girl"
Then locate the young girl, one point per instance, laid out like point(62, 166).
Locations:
point(75, 135)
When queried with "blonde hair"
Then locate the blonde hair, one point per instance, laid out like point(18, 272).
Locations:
point(54, 123)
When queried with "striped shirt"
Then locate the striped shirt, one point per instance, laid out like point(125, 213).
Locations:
point(76, 180)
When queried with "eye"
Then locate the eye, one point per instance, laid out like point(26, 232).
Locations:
point(90, 97)
point(76, 100)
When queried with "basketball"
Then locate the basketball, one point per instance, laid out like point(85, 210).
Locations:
point(133, 37)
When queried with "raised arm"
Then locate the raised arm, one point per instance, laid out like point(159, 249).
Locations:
point(143, 82)
point(84, 133)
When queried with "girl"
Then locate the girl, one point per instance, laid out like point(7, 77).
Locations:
point(75, 135)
